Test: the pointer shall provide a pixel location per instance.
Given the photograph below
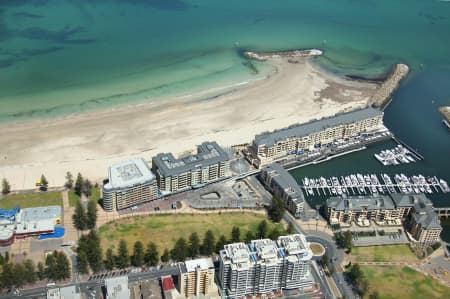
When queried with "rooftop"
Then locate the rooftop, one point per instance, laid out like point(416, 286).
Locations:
point(38, 214)
point(238, 253)
point(129, 173)
point(266, 249)
point(298, 130)
point(357, 203)
point(167, 283)
point(284, 180)
point(203, 264)
point(208, 153)
point(117, 287)
point(294, 244)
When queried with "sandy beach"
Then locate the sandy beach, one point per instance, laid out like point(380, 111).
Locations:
point(90, 142)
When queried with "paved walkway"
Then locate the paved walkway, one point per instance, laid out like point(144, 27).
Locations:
point(71, 234)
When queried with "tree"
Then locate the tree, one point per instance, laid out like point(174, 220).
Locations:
point(235, 234)
point(290, 229)
point(7, 276)
point(274, 233)
point(82, 262)
point(180, 251)
point(69, 180)
point(221, 243)
point(57, 266)
point(79, 185)
point(91, 215)
point(137, 259)
point(348, 243)
point(94, 251)
point(122, 259)
point(194, 245)
point(6, 187)
point(62, 266)
point(109, 261)
point(19, 274)
point(87, 188)
point(276, 209)
point(324, 261)
point(208, 245)
point(79, 217)
point(40, 271)
point(151, 257)
point(30, 271)
point(249, 237)
point(44, 183)
point(262, 229)
point(166, 256)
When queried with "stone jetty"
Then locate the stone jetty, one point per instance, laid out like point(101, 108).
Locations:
point(387, 88)
point(445, 111)
point(263, 56)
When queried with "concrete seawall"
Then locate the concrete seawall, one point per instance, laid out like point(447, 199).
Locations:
point(263, 56)
point(383, 95)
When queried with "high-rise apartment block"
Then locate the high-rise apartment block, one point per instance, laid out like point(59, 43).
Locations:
point(265, 266)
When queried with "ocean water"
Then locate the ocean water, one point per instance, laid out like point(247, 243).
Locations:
point(69, 56)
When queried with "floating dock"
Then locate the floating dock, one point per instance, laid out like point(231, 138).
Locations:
point(371, 184)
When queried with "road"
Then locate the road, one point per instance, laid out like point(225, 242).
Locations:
point(333, 253)
point(94, 283)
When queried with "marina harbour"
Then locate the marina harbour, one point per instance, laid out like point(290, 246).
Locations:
point(359, 184)
point(396, 156)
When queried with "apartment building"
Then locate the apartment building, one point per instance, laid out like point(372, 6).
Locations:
point(265, 266)
point(197, 278)
point(422, 222)
point(129, 183)
point(361, 209)
point(271, 146)
point(414, 211)
point(209, 164)
point(283, 185)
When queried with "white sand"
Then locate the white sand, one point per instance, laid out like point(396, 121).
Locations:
point(89, 143)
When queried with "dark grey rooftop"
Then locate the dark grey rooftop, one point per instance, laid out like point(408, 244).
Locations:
point(424, 213)
point(284, 180)
point(298, 130)
point(358, 203)
point(208, 153)
point(402, 200)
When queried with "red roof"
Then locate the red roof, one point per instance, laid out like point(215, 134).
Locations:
point(167, 283)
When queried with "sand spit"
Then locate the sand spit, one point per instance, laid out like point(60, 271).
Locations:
point(90, 142)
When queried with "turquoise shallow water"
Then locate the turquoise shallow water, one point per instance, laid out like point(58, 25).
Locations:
point(62, 56)
point(69, 56)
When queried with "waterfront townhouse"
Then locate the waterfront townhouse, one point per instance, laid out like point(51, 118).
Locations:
point(129, 183)
point(283, 185)
point(197, 278)
point(271, 146)
point(416, 212)
point(209, 164)
point(422, 221)
point(361, 209)
point(264, 267)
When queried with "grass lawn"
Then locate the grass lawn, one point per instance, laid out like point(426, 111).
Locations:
point(317, 248)
point(31, 199)
point(386, 253)
point(402, 282)
point(73, 198)
point(164, 230)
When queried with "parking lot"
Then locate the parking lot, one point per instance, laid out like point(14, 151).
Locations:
point(230, 194)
